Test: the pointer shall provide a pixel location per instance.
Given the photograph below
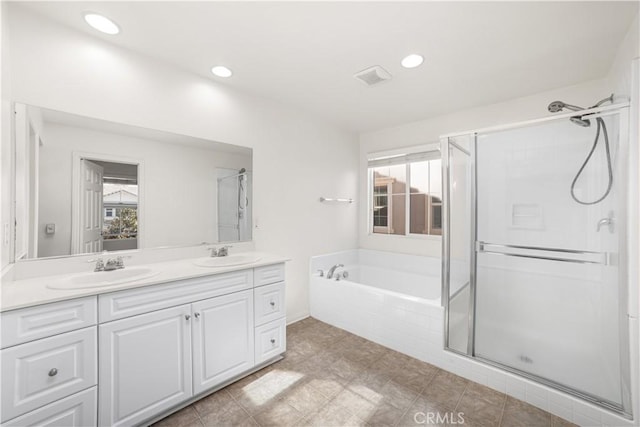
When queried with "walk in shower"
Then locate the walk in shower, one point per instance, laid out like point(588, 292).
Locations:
point(535, 250)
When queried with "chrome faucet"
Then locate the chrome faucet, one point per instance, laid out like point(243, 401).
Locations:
point(99, 265)
point(332, 270)
point(111, 265)
point(606, 221)
point(218, 252)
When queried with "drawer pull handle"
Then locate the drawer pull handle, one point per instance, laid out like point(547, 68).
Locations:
point(273, 304)
point(196, 314)
point(273, 340)
point(187, 316)
point(53, 372)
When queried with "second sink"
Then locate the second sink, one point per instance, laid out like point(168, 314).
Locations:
point(103, 278)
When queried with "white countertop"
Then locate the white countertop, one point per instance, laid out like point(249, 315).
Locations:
point(34, 291)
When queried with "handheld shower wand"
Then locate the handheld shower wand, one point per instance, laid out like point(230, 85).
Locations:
point(557, 106)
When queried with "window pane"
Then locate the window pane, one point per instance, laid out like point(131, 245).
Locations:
point(435, 178)
point(418, 215)
point(398, 214)
point(393, 176)
point(419, 172)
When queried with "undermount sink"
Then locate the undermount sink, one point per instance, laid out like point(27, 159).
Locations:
point(103, 278)
point(226, 261)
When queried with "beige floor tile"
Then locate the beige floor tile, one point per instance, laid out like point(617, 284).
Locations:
point(331, 415)
point(233, 416)
point(332, 378)
point(187, 417)
point(219, 401)
point(305, 398)
point(278, 414)
point(385, 415)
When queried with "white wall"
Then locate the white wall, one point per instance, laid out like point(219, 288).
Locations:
point(619, 77)
point(180, 186)
point(297, 159)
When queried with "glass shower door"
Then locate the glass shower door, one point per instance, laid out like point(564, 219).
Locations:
point(548, 300)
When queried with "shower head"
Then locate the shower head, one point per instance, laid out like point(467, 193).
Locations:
point(557, 106)
point(580, 121)
point(243, 170)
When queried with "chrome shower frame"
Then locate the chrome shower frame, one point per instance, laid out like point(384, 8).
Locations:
point(628, 198)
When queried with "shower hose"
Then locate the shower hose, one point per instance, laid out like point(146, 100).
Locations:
point(601, 127)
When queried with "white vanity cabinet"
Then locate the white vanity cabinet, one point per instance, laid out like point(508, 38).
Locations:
point(270, 321)
point(145, 365)
point(223, 345)
point(149, 350)
point(50, 356)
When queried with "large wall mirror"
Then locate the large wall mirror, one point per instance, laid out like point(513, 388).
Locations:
point(85, 185)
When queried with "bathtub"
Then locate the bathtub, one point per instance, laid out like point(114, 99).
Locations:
point(389, 298)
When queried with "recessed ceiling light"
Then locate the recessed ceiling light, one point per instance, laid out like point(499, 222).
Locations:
point(221, 71)
point(101, 23)
point(412, 61)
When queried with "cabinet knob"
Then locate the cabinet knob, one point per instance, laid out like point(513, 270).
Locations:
point(187, 316)
point(273, 304)
point(53, 372)
point(273, 340)
point(196, 314)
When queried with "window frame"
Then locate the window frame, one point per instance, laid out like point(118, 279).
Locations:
point(427, 150)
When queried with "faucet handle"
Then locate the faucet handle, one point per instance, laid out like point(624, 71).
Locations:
point(224, 251)
point(213, 251)
point(119, 262)
point(99, 264)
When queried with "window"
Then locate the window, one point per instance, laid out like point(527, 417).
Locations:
point(108, 213)
point(406, 194)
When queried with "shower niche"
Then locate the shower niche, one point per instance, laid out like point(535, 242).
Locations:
point(534, 274)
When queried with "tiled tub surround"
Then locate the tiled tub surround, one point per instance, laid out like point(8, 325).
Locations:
point(332, 378)
point(411, 322)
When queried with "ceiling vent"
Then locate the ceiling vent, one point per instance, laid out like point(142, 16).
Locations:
point(373, 75)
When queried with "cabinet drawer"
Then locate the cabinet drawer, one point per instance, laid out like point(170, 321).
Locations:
point(119, 305)
point(271, 340)
point(268, 274)
point(78, 410)
point(269, 303)
point(32, 323)
point(40, 372)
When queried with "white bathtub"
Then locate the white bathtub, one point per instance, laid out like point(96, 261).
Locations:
point(392, 299)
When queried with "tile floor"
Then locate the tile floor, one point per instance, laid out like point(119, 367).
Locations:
point(330, 377)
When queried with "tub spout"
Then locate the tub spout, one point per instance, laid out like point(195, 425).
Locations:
point(332, 270)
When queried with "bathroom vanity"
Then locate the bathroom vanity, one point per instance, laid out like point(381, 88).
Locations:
point(130, 353)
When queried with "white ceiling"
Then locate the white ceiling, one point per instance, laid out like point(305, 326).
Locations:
point(304, 54)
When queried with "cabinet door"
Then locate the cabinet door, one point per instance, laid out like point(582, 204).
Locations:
point(222, 339)
point(145, 365)
point(78, 410)
point(42, 371)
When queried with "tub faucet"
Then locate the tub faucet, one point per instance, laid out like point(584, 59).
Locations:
point(332, 270)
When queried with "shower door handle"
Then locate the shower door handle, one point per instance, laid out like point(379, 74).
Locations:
point(545, 254)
